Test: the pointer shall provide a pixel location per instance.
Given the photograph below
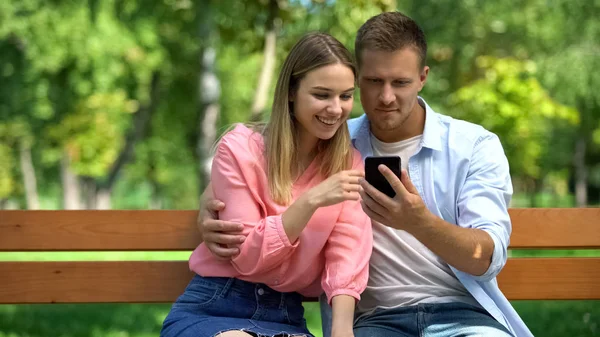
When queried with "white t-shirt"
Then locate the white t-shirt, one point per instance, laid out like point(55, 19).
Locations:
point(402, 270)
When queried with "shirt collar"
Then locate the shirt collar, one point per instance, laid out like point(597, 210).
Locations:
point(432, 133)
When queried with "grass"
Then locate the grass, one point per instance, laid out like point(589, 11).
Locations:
point(560, 318)
point(78, 320)
point(544, 318)
point(554, 253)
point(96, 320)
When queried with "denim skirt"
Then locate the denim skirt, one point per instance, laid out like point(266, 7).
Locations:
point(211, 305)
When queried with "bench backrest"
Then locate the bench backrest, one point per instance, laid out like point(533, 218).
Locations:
point(163, 281)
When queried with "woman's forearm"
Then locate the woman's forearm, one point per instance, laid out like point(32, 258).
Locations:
point(343, 315)
point(297, 216)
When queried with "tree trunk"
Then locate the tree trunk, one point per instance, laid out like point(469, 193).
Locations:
point(141, 120)
point(532, 194)
point(206, 138)
point(8, 204)
point(537, 187)
point(103, 198)
point(155, 200)
point(209, 92)
point(88, 188)
point(580, 172)
point(70, 185)
point(268, 68)
point(29, 179)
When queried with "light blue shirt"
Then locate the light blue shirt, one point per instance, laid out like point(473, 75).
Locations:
point(462, 174)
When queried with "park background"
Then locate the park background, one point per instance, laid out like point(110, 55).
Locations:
point(115, 104)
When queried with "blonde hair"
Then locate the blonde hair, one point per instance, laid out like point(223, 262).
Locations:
point(313, 51)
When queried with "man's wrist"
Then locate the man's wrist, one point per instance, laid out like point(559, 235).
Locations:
point(423, 224)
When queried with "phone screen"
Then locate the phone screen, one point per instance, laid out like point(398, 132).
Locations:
point(376, 178)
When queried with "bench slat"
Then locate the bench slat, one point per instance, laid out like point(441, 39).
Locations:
point(163, 281)
point(93, 282)
point(176, 230)
point(98, 230)
point(551, 278)
point(555, 228)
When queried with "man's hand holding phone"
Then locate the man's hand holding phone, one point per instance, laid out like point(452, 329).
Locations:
point(405, 210)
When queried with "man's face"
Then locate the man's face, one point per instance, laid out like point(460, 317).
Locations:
point(389, 85)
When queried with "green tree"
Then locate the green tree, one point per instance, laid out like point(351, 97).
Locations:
point(509, 101)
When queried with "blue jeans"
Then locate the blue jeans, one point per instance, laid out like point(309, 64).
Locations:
point(211, 305)
point(424, 320)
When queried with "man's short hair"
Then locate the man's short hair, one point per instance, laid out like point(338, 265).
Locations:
point(390, 31)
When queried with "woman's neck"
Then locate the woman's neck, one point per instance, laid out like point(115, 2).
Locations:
point(307, 151)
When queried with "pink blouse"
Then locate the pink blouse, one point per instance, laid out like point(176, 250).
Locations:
point(331, 254)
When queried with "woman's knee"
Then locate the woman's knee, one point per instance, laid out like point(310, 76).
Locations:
point(233, 333)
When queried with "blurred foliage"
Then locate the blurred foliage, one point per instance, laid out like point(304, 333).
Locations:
point(92, 134)
point(558, 39)
point(76, 74)
point(10, 136)
point(509, 101)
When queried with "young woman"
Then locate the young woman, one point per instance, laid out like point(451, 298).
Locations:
point(293, 184)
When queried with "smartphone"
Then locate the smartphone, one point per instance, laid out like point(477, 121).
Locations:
point(376, 178)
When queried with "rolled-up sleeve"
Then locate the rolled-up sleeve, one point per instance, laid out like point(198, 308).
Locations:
point(348, 251)
point(234, 181)
point(484, 199)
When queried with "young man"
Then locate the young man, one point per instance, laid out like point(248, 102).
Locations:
point(441, 241)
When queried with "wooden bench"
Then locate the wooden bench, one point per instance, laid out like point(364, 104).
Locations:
point(162, 281)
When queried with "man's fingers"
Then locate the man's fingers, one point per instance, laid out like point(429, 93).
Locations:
point(372, 215)
point(394, 181)
point(372, 205)
point(214, 205)
point(210, 210)
point(376, 195)
point(221, 252)
point(224, 239)
point(222, 226)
